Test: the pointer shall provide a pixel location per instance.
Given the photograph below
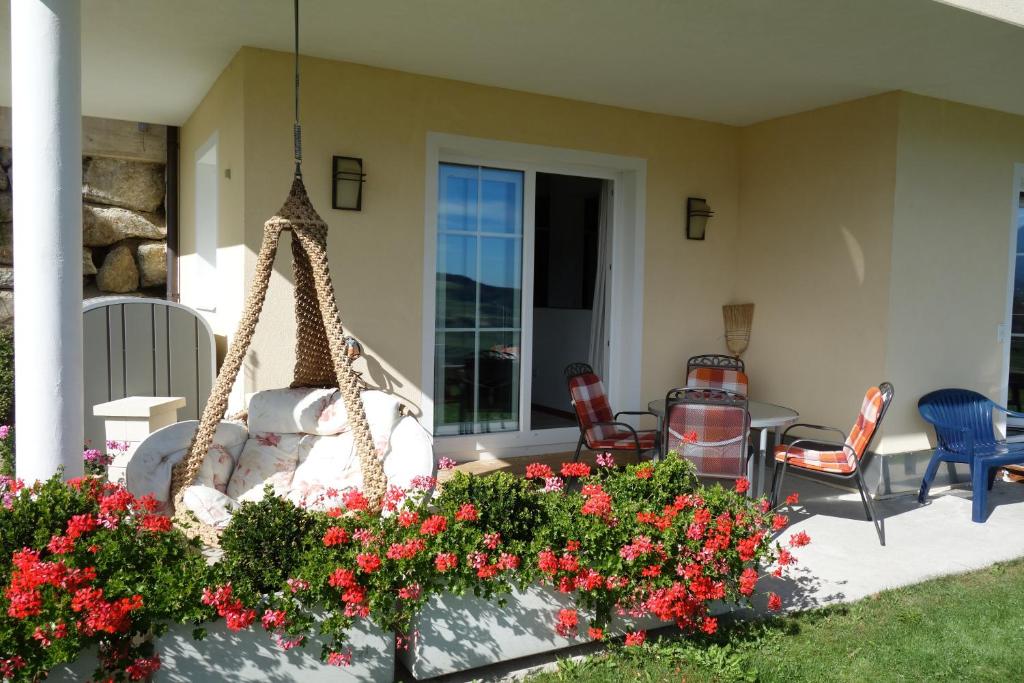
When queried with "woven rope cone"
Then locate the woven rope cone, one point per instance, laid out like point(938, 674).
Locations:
point(321, 359)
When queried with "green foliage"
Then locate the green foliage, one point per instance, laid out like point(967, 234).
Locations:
point(84, 537)
point(264, 544)
point(956, 628)
point(508, 505)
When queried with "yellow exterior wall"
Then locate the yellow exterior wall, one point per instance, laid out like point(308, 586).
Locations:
point(955, 205)
point(377, 254)
point(816, 206)
point(221, 112)
point(872, 236)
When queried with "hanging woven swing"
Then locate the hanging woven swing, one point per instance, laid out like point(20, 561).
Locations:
point(321, 348)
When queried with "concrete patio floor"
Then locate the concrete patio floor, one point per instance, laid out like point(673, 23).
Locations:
point(844, 561)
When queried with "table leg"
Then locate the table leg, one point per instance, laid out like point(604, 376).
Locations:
point(762, 455)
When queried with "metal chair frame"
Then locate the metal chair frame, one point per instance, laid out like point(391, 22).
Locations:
point(857, 474)
point(708, 397)
point(576, 369)
point(714, 360)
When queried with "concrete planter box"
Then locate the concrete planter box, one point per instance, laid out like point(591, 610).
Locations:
point(455, 633)
point(252, 655)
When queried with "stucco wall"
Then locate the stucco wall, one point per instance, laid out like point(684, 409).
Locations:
point(816, 204)
point(222, 113)
point(955, 205)
point(377, 254)
point(874, 238)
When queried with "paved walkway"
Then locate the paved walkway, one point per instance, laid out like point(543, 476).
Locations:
point(845, 562)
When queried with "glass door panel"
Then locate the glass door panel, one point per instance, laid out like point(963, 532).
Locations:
point(1015, 382)
point(479, 300)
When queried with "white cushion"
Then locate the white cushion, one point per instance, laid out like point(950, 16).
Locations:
point(210, 506)
point(267, 458)
point(149, 470)
point(294, 411)
point(317, 411)
point(325, 463)
point(410, 453)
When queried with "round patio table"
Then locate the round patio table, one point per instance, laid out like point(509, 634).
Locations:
point(768, 418)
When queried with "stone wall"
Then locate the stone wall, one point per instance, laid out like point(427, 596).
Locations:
point(124, 226)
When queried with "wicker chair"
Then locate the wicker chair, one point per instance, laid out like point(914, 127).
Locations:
point(841, 459)
point(600, 430)
point(708, 427)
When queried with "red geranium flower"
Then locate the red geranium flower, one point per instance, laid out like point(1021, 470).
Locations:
point(537, 470)
point(434, 525)
point(575, 469)
point(636, 638)
point(335, 535)
point(645, 472)
point(774, 602)
point(467, 513)
point(800, 539)
point(367, 562)
point(742, 485)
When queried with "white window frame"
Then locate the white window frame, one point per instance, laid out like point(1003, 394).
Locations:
point(629, 175)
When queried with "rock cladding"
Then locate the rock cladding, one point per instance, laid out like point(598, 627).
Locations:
point(124, 230)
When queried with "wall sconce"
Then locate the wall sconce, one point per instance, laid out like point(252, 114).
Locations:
point(347, 185)
point(697, 214)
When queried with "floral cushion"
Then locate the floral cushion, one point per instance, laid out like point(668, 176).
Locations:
point(267, 458)
point(210, 506)
point(149, 470)
point(317, 411)
point(327, 465)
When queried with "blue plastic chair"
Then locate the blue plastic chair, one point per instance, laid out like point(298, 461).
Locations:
point(965, 434)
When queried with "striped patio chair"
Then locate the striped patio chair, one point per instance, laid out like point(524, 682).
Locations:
point(841, 459)
point(600, 429)
point(708, 427)
point(717, 371)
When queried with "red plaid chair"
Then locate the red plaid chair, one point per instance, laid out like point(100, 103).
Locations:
point(729, 379)
point(841, 459)
point(708, 427)
point(600, 429)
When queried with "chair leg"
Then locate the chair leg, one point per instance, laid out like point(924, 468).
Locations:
point(865, 495)
point(992, 476)
point(579, 447)
point(979, 492)
point(777, 478)
point(929, 476)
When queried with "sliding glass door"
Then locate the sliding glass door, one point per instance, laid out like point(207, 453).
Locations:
point(478, 324)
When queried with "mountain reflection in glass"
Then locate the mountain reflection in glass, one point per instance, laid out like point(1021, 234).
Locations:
point(479, 299)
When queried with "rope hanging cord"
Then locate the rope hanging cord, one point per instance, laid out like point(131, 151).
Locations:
point(297, 127)
point(321, 357)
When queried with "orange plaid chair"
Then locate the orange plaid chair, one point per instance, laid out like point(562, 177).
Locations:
point(600, 429)
point(708, 427)
point(729, 379)
point(841, 459)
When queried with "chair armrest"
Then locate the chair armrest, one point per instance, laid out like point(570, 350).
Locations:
point(635, 412)
point(820, 428)
point(1011, 413)
point(616, 423)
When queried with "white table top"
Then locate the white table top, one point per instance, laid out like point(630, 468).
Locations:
point(762, 415)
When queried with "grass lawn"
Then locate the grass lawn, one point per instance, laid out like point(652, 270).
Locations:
point(960, 628)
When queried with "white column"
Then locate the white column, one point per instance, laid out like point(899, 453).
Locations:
point(47, 146)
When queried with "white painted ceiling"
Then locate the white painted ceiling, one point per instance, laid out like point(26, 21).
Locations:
point(733, 61)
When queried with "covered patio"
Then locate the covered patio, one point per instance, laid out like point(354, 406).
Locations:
point(505, 195)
